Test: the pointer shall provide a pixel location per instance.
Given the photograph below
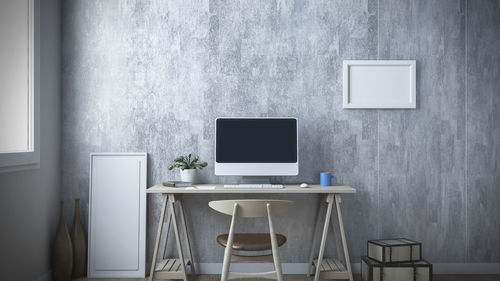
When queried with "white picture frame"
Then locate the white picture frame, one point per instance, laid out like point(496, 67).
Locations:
point(117, 215)
point(379, 84)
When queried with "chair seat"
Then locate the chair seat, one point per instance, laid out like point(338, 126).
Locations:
point(251, 241)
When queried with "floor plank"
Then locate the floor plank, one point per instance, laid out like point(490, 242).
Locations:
point(206, 277)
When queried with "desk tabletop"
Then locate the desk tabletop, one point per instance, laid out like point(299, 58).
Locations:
point(219, 188)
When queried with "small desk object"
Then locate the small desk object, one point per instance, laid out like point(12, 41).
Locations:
point(327, 268)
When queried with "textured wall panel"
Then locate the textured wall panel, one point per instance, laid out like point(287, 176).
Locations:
point(153, 75)
point(422, 151)
point(483, 130)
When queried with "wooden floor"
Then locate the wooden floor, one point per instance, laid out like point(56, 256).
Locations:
point(303, 278)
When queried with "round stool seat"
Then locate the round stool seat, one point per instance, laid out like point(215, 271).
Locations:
point(251, 241)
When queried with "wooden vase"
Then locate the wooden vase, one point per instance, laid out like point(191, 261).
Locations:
point(62, 254)
point(79, 244)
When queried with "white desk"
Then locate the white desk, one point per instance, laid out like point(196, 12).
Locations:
point(328, 268)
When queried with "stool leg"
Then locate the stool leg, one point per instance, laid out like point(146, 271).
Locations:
point(158, 236)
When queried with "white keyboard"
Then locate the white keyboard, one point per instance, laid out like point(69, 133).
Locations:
point(256, 186)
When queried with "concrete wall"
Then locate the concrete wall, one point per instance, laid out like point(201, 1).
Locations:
point(152, 76)
point(29, 201)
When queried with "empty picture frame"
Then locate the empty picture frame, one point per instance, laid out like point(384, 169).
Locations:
point(379, 84)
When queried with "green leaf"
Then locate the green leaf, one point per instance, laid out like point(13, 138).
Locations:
point(202, 165)
point(187, 162)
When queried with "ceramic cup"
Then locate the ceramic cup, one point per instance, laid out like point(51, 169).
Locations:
point(325, 179)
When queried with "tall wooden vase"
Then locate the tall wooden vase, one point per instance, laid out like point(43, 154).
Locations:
point(62, 254)
point(79, 244)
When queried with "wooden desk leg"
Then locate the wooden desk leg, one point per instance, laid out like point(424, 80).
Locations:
point(165, 239)
point(315, 235)
point(158, 236)
point(336, 236)
point(183, 219)
point(177, 236)
point(329, 200)
point(342, 234)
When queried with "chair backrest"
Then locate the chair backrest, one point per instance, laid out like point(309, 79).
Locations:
point(251, 208)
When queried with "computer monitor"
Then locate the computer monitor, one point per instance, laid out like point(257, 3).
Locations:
point(256, 147)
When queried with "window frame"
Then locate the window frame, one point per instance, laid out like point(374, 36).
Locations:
point(29, 159)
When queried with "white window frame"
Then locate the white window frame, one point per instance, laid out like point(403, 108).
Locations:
point(31, 158)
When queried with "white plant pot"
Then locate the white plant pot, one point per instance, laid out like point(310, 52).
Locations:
point(188, 175)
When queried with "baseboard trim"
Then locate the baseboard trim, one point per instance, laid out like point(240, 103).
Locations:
point(47, 276)
point(466, 268)
point(301, 268)
point(288, 268)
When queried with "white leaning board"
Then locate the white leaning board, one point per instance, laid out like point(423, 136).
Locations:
point(379, 84)
point(117, 215)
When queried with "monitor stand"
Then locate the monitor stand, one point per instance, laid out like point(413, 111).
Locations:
point(255, 180)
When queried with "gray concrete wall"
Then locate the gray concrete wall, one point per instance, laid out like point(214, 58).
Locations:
point(152, 76)
point(29, 201)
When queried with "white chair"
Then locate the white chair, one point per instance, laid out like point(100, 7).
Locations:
point(251, 208)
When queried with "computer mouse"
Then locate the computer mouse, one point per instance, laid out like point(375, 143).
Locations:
point(304, 185)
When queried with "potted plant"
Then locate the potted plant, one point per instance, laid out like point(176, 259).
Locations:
point(188, 167)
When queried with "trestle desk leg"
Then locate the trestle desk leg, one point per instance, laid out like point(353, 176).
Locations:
point(342, 234)
point(177, 236)
point(190, 253)
point(329, 201)
point(158, 236)
point(315, 235)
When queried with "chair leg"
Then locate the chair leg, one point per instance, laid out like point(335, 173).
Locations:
point(274, 246)
point(229, 247)
point(226, 263)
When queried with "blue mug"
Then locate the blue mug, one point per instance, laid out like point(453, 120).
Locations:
point(325, 179)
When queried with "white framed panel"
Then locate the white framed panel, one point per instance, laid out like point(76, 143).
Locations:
point(379, 84)
point(19, 73)
point(117, 215)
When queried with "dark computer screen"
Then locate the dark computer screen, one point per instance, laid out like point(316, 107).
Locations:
point(250, 140)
